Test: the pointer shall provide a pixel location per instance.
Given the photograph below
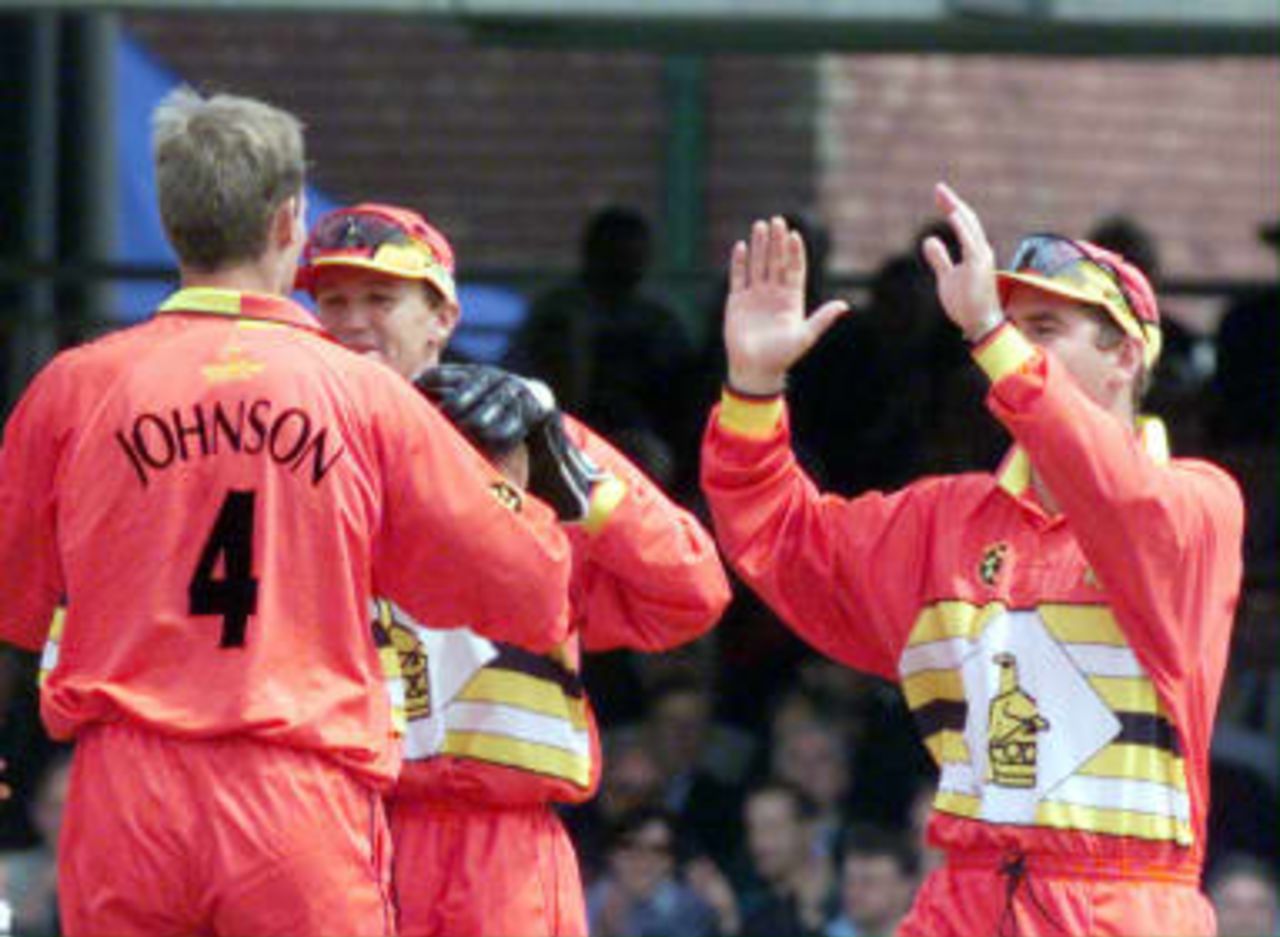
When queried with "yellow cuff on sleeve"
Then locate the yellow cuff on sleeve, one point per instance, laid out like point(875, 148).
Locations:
point(754, 419)
point(605, 498)
point(1004, 351)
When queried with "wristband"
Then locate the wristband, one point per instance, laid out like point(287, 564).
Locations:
point(751, 395)
point(990, 322)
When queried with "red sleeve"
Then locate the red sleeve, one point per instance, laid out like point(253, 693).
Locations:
point(1164, 537)
point(648, 576)
point(31, 586)
point(460, 545)
point(846, 575)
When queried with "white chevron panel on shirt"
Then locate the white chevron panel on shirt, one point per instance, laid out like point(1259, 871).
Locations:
point(935, 655)
point(1124, 794)
point(1081, 790)
point(1103, 660)
point(521, 724)
point(1098, 660)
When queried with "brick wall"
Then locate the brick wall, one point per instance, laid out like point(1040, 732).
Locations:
point(762, 152)
point(507, 150)
point(510, 149)
point(1190, 148)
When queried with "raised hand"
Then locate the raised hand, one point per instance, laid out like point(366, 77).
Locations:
point(766, 330)
point(967, 290)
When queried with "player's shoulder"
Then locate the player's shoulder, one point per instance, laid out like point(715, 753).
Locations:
point(376, 394)
point(943, 498)
point(103, 347)
point(954, 487)
point(70, 382)
point(1210, 475)
point(79, 364)
point(357, 370)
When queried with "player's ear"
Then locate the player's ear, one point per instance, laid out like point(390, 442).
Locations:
point(287, 222)
point(444, 314)
point(1129, 358)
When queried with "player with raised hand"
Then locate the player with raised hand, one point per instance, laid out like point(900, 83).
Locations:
point(1059, 627)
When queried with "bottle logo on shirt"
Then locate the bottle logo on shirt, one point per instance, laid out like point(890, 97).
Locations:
point(156, 441)
point(1013, 722)
point(992, 563)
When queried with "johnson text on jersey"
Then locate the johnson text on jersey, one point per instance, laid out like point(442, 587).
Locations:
point(291, 437)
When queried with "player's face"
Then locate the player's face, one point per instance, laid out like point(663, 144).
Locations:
point(1069, 332)
point(403, 323)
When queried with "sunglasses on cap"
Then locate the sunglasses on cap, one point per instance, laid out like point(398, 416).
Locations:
point(357, 230)
point(1081, 271)
point(379, 238)
point(1056, 257)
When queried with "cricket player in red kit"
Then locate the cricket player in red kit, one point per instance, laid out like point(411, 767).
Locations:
point(497, 735)
point(1059, 628)
point(215, 496)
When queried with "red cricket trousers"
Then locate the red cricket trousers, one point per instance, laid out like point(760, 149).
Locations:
point(232, 836)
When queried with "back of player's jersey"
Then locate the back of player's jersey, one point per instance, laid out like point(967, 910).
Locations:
point(215, 495)
point(216, 516)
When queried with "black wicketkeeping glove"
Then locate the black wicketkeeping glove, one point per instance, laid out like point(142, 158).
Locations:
point(498, 410)
point(559, 472)
point(495, 409)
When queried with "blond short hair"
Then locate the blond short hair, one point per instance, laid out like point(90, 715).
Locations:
point(223, 164)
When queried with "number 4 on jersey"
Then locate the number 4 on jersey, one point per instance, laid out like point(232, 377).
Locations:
point(234, 595)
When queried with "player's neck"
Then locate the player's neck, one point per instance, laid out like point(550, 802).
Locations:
point(253, 277)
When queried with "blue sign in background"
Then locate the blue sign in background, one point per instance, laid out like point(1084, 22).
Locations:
point(489, 311)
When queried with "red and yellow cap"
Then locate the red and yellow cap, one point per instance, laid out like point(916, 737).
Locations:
point(1092, 275)
point(382, 238)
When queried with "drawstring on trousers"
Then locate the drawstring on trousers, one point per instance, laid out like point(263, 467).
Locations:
point(1014, 869)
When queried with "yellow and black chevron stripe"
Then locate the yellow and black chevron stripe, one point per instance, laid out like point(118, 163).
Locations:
point(526, 711)
point(1144, 757)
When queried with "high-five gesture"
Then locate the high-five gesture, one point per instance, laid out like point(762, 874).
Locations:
point(967, 290)
point(766, 330)
point(856, 576)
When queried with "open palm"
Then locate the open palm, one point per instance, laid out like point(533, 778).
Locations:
point(966, 288)
point(766, 330)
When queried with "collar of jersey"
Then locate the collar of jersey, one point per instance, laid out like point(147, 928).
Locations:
point(1014, 474)
point(261, 307)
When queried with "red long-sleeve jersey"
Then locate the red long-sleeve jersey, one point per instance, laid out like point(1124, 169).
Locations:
point(216, 494)
point(1063, 670)
point(494, 724)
